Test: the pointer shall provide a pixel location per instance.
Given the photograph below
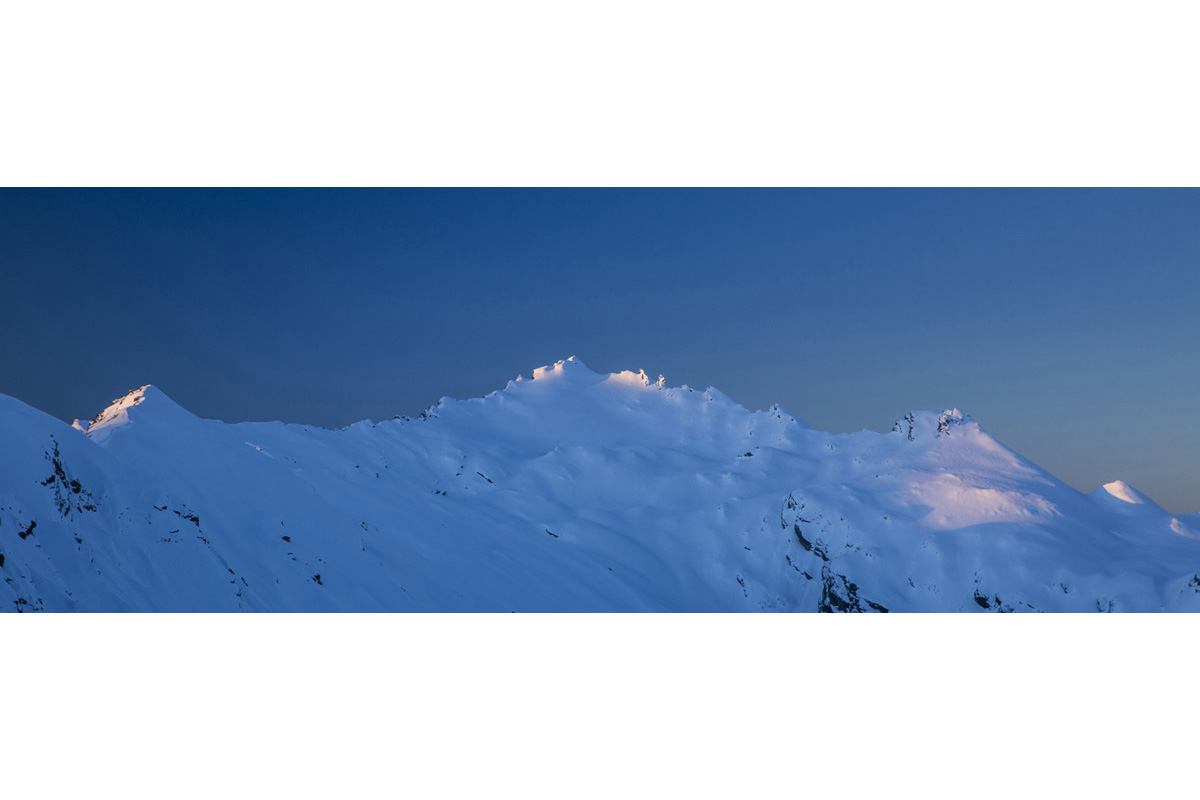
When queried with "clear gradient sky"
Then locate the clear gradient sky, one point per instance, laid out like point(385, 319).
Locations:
point(1066, 322)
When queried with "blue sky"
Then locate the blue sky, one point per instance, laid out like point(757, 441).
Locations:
point(1064, 321)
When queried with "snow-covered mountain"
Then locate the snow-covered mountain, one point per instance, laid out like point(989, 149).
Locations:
point(573, 491)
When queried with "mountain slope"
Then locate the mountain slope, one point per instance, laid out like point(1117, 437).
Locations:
point(569, 491)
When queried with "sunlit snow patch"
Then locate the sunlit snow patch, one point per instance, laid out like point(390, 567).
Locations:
point(1123, 491)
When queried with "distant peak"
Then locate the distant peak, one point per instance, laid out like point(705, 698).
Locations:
point(920, 424)
point(118, 412)
point(1123, 491)
point(120, 405)
point(575, 372)
point(567, 367)
point(636, 379)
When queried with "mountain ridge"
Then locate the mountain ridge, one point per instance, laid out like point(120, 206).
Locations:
point(568, 491)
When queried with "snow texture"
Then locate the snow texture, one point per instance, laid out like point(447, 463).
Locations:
point(571, 491)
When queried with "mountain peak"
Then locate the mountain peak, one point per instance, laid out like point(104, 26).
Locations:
point(118, 409)
point(118, 412)
point(566, 368)
point(1126, 493)
point(931, 425)
point(575, 371)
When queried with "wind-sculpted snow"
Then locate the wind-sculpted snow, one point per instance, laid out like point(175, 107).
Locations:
point(569, 491)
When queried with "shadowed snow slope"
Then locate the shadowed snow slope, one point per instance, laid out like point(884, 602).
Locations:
point(569, 491)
